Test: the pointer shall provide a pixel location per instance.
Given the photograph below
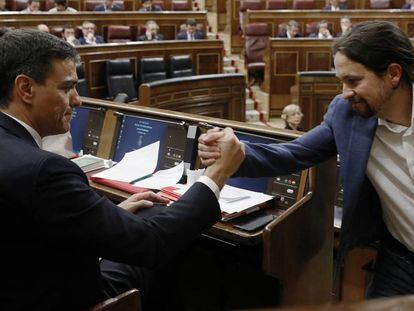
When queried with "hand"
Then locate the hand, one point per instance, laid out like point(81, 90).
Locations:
point(208, 150)
point(141, 200)
point(231, 156)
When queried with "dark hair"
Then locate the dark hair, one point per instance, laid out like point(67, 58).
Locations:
point(30, 1)
point(191, 22)
point(67, 26)
point(61, 2)
point(377, 44)
point(29, 52)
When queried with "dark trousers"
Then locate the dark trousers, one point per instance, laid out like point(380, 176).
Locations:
point(394, 270)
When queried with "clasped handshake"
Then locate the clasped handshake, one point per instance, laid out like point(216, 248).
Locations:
point(220, 151)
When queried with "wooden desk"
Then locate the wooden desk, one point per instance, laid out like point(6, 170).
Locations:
point(403, 18)
point(169, 21)
point(207, 58)
point(297, 246)
point(220, 95)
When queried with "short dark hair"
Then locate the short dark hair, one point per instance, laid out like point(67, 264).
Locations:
point(62, 2)
point(377, 44)
point(29, 52)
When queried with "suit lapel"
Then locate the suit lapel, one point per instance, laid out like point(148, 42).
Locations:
point(16, 129)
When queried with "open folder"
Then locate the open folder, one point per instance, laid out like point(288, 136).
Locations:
point(136, 172)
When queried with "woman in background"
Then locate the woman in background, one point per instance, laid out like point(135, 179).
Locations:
point(292, 116)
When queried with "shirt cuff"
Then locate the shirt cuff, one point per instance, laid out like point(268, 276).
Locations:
point(211, 184)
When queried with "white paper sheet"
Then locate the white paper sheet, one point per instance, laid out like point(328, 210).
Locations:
point(237, 199)
point(135, 164)
point(162, 178)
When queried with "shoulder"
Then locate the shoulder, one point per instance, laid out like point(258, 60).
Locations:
point(156, 8)
point(99, 7)
point(181, 35)
point(116, 7)
point(99, 39)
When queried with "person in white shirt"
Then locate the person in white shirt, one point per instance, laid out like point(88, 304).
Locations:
point(61, 6)
point(33, 6)
point(371, 127)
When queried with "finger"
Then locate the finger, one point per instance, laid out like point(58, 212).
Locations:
point(208, 148)
point(209, 155)
point(134, 207)
point(156, 198)
point(210, 137)
point(140, 196)
point(208, 162)
point(215, 129)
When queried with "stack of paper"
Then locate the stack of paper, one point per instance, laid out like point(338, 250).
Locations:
point(89, 163)
point(235, 202)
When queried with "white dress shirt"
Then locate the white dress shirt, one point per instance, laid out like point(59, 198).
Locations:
point(391, 171)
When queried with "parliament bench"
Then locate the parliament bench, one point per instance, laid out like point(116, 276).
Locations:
point(168, 21)
point(207, 58)
point(276, 18)
point(295, 248)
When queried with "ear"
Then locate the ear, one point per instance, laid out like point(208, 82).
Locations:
point(24, 88)
point(395, 73)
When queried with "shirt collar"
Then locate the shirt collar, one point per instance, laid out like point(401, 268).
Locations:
point(31, 130)
point(397, 128)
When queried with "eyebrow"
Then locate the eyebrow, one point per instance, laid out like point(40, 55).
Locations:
point(68, 83)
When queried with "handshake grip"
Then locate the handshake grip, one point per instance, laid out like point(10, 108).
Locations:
point(222, 153)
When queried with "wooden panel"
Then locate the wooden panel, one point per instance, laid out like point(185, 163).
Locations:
point(288, 57)
point(274, 18)
point(315, 91)
point(210, 52)
point(169, 22)
point(219, 96)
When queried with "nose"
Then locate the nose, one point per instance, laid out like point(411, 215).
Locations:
point(347, 93)
point(74, 99)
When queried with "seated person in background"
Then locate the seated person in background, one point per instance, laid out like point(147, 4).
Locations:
point(88, 30)
point(346, 25)
point(32, 6)
point(147, 6)
point(335, 5)
point(191, 32)
point(108, 6)
point(323, 31)
point(63, 224)
point(409, 5)
point(151, 32)
point(292, 30)
point(62, 6)
point(292, 115)
point(43, 28)
point(3, 6)
point(68, 34)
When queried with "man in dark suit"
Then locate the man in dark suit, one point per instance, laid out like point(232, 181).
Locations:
point(108, 6)
point(191, 32)
point(89, 36)
point(148, 6)
point(371, 128)
point(151, 32)
point(54, 227)
point(291, 30)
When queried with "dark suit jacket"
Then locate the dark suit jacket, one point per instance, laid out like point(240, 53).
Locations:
point(345, 133)
point(99, 40)
point(158, 37)
point(284, 35)
point(101, 7)
point(198, 35)
point(54, 228)
point(406, 6)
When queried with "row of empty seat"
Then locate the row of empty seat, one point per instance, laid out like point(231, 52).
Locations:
point(120, 75)
point(89, 5)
